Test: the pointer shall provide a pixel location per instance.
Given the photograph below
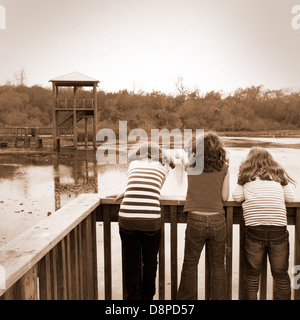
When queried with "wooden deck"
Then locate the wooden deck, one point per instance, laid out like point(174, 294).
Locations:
point(58, 258)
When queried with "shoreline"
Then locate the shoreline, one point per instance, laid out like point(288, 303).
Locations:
point(231, 139)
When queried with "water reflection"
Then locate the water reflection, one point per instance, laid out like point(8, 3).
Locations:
point(7, 171)
point(74, 173)
point(30, 190)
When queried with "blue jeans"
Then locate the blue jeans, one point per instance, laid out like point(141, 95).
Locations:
point(210, 230)
point(140, 250)
point(274, 241)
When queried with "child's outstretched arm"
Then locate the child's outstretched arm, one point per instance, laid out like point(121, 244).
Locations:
point(225, 187)
point(119, 196)
point(182, 156)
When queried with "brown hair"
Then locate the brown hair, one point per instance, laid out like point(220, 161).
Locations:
point(150, 150)
point(214, 151)
point(260, 164)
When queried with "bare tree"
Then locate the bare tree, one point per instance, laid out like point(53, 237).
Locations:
point(20, 77)
point(136, 88)
point(182, 90)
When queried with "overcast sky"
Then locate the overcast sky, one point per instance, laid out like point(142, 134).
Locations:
point(147, 44)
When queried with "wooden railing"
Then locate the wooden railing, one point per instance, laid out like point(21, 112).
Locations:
point(172, 213)
point(58, 258)
point(25, 131)
point(75, 103)
point(25, 135)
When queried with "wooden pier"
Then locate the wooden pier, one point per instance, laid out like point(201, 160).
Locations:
point(58, 257)
point(24, 137)
point(39, 137)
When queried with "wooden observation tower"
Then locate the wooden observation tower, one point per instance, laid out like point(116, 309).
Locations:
point(68, 112)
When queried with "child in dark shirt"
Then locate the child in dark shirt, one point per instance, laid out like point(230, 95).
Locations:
point(206, 219)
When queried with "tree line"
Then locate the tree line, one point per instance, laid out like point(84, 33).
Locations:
point(246, 109)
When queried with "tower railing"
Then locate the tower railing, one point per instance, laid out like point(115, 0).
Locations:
point(74, 103)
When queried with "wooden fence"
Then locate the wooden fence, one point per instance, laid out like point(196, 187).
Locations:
point(57, 258)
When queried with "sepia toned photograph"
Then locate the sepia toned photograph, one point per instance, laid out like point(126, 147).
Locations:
point(150, 152)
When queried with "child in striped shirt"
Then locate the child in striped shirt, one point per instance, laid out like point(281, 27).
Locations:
point(264, 186)
point(140, 220)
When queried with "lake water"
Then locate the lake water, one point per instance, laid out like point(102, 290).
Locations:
point(32, 187)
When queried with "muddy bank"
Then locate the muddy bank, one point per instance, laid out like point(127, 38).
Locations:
point(244, 143)
point(48, 156)
point(44, 157)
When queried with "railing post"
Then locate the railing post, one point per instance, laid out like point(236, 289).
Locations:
point(75, 266)
point(161, 258)
point(45, 278)
point(27, 286)
point(91, 275)
point(53, 271)
point(9, 294)
point(69, 265)
point(107, 252)
point(242, 260)
point(297, 249)
point(173, 222)
point(80, 261)
point(75, 125)
point(94, 254)
point(229, 226)
point(61, 271)
point(84, 260)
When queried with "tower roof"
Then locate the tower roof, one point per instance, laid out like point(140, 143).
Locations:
point(74, 78)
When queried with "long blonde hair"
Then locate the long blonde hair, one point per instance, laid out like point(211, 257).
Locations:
point(260, 164)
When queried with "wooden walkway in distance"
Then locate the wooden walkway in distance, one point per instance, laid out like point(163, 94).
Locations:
point(57, 258)
point(24, 136)
point(36, 136)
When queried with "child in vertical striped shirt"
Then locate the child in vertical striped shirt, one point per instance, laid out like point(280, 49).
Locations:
point(264, 187)
point(140, 220)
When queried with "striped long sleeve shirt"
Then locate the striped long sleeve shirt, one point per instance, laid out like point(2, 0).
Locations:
point(140, 208)
point(264, 202)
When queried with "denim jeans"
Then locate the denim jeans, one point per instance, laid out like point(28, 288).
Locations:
point(209, 230)
point(140, 250)
point(274, 241)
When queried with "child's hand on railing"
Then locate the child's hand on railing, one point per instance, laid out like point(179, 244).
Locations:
point(116, 196)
